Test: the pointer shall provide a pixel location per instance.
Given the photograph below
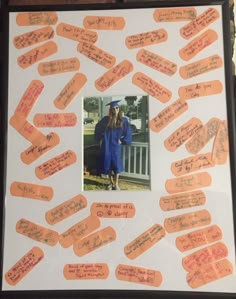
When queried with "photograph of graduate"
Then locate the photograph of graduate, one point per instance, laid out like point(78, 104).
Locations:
point(116, 143)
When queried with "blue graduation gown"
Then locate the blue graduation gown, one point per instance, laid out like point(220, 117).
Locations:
point(110, 149)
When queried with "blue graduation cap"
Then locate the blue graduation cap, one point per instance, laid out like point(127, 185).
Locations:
point(113, 104)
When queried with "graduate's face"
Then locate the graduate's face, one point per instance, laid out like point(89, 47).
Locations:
point(115, 110)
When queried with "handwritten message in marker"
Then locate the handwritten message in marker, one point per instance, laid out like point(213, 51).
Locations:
point(54, 120)
point(36, 18)
point(104, 23)
point(174, 14)
point(86, 271)
point(113, 210)
point(58, 66)
point(220, 150)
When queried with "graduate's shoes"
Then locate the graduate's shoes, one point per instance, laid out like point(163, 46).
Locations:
point(116, 187)
point(112, 187)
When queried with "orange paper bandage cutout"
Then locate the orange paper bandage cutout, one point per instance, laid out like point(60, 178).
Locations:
point(94, 241)
point(191, 164)
point(209, 273)
point(66, 209)
point(220, 150)
point(199, 23)
point(200, 89)
point(204, 256)
point(104, 23)
point(182, 201)
point(33, 37)
point(76, 33)
point(152, 87)
point(37, 54)
point(56, 164)
point(113, 210)
point(139, 275)
point(86, 271)
point(24, 266)
point(203, 136)
point(69, 92)
point(157, 62)
point(37, 232)
point(59, 66)
point(113, 75)
point(44, 145)
point(96, 54)
point(174, 14)
point(79, 231)
point(198, 238)
point(145, 241)
point(188, 182)
point(146, 39)
point(36, 18)
point(54, 120)
point(198, 44)
point(187, 221)
point(182, 134)
point(169, 114)
point(27, 190)
point(200, 67)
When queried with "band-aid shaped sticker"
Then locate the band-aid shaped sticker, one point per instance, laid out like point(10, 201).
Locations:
point(188, 182)
point(104, 23)
point(204, 256)
point(187, 221)
point(152, 87)
point(79, 231)
point(25, 265)
point(220, 150)
point(33, 37)
point(86, 271)
point(209, 273)
point(198, 44)
point(44, 145)
point(203, 136)
point(169, 114)
point(76, 33)
point(200, 89)
point(145, 241)
point(33, 191)
point(191, 164)
point(37, 54)
point(182, 134)
point(182, 200)
point(69, 92)
point(113, 210)
point(198, 238)
point(37, 232)
point(174, 14)
point(199, 23)
point(53, 120)
point(66, 209)
point(94, 241)
point(59, 66)
point(55, 164)
point(29, 98)
point(96, 54)
point(113, 75)
point(200, 67)
point(156, 62)
point(146, 39)
point(139, 275)
point(36, 18)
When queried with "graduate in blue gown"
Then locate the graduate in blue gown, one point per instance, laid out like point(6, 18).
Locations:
point(112, 131)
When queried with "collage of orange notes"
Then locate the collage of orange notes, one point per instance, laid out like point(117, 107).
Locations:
point(94, 241)
point(145, 241)
point(182, 200)
point(187, 221)
point(53, 120)
point(60, 66)
point(104, 22)
point(139, 275)
point(198, 238)
point(209, 273)
point(55, 164)
point(169, 114)
point(66, 209)
point(175, 14)
point(146, 39)
point(79, 231)
point(25, 265)
point(33, 191)
point(199, 23)
point(37, 232)
point(36, 18)
point(113, 210)
point(86, 271)
point(220, 150)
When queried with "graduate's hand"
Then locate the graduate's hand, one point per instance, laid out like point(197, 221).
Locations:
point(119, 142)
